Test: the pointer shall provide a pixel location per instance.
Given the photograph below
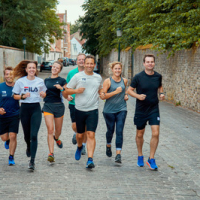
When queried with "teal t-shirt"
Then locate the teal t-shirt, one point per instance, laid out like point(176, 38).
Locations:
point(69, 77)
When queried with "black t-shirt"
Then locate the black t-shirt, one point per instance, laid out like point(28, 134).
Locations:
point(53, 95)
point(148, 85)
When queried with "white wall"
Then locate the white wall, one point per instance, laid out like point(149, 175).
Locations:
point(77, 50)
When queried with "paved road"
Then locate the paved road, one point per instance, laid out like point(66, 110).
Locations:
point(177, 156)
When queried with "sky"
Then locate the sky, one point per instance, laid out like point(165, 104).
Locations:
point(73, 7)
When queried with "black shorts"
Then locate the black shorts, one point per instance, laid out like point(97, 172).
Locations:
point(72, 112)
point(141, 120)
point(56, 109)
point(9, 124)
point(86, 120)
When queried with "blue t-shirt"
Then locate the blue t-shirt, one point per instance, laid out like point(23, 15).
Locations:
point(10, 105)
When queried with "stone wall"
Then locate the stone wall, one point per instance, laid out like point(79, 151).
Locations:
point(10, 56)
point(181, 73)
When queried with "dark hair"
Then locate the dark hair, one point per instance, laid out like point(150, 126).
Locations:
point(20, 69)
point(90, 56)
point(61, 65)
point(149, 55)
point(7, 68)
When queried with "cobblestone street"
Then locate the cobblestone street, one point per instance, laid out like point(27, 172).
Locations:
point(177, 156)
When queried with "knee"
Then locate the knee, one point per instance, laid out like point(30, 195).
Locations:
point(50, 131)
point(140, 134)
point(13, 136)
point(74, 127)
point(155, 134)
point(79, 136)
point(4, 138)
point(90, 135)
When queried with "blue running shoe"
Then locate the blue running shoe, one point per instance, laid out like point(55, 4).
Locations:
point(90, 163)
point(78, 153)
point(140, 162)
point(6, 144)
point(11, 161)
point(152, 164)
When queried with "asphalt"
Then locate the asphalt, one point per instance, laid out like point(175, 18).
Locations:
point(177, 157)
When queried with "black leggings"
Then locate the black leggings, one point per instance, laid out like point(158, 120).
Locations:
point(31, 117)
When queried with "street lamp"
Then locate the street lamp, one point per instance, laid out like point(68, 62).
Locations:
point(119, 34)
point(24, 43)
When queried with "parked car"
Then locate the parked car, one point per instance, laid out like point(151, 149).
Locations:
point(47, 65)
point(71, 61)
point(65, 61)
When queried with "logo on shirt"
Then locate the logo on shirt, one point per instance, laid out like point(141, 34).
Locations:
point(158, 118)
point(84, 80)
point(30, 89)
point(4, 94)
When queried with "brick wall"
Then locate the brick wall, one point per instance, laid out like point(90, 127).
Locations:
point(181, 73)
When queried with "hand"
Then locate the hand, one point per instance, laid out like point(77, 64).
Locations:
point(80, 90)
point(69, 98)
point(26, 95)
point(42, 94)
point(142, 97)
point(58, 86)
point(102, 95)
point(162, 97)
point(126, 97)
point(2, 111)
point(118, 90)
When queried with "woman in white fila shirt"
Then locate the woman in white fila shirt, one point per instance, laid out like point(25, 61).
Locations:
point(28, 89)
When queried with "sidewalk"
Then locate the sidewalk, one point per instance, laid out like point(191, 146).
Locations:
point(178, 176)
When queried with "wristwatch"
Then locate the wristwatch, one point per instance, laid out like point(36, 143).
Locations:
point(22, 97)
point(62, 89)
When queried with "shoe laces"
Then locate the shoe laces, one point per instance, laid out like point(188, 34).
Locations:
point(58, 142)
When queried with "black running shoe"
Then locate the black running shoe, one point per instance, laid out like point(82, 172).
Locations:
point(31, 166)
point(108, 151)
point(118, 158)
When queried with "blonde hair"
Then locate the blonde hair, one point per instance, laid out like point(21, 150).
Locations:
point(115, 63)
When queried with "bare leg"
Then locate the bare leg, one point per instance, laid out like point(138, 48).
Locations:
point(85, 137)
point(5, 137)
point(139, 140)
point(13, 142)
point(58, 126)
point(49, 120)
point(154, 140)
point(74, 127)
point(91, 143)
point(79, 138)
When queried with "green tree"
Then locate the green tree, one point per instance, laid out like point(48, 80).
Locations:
point(75, 27)
point(36, 20)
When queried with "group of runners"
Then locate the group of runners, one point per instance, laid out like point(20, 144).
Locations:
point(82, 88)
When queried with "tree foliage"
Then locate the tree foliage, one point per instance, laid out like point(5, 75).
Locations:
point(75, 27)
point(36, 20)
point(166, 24)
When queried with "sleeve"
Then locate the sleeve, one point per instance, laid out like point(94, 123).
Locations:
point(16, 88)
point(43, 87)
point(134, 82)
point(160, 84)
point(101, 84)
point(68, 78)
point(63, 82)
point(72, 83)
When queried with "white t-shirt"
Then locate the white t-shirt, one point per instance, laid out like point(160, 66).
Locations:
point(34, 87)
point(89, 99)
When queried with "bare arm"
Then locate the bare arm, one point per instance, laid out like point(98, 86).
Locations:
point(106, 86)
point(69, 91)
point(126, 94)
point(162, 96)
point(132, 93)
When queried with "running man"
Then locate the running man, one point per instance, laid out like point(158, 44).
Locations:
point(9, 114)
point(87, 87)
point(147, 83)
point(71, 99)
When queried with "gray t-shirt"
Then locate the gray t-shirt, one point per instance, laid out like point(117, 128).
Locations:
point(89, 99)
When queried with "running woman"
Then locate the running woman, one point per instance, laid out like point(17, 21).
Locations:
point(148, 84)
point(54, 108)
point(115, 110)
point(71, 99)
point(28, 89)
point(87, 87)
point(9, 114)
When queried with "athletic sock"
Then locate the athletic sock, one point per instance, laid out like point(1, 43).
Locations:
point(83, 144)
point(90, 159)
point(80, 147)
point(55, 138)
point(12, 156)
